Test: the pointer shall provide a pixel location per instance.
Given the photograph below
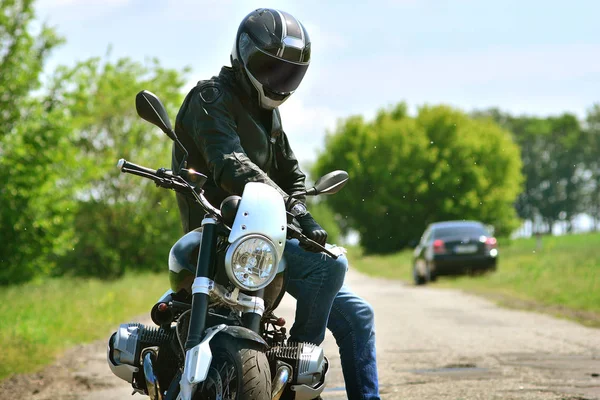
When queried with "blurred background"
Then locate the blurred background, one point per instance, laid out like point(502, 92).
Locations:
point(438, 110)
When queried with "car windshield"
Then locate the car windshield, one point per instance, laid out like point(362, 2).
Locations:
point(467, 230)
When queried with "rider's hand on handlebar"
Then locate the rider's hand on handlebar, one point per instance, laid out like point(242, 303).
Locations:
point(313, 231)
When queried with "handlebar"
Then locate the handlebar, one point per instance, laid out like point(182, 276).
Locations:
point(160, 177)
point(126, 166)
point(165, 179)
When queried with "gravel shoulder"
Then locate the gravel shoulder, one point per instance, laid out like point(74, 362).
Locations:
point(432, 344)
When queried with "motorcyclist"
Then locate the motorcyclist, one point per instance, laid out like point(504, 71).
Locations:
point(232, 127)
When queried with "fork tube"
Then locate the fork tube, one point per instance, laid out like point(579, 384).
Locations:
point(251, 320)
point(206, 259)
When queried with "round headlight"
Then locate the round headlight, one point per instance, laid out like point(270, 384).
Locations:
point(251, 262)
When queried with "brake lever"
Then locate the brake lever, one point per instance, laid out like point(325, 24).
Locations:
point(196, 179)
point(296, 233)
point(323, 249)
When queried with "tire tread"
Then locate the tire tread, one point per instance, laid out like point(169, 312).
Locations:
point(255, 375)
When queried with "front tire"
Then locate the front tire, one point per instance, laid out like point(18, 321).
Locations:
point(239, 371)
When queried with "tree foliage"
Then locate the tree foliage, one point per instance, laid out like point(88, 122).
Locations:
point(406, 172)
point(121, 222)
point(71, 210)
point(34, 142)
point(36, 195)
point(64, 207)
point(591, 175)
point(22, 56)
point(554, 166)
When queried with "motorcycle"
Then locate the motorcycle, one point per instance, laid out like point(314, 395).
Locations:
point(217, 335)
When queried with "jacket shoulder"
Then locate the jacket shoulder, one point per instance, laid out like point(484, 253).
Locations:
point(213, 97)
point(212, 91)
point(209, 91)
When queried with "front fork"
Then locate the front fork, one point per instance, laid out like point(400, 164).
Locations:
point(200, 288)
point(198, 353)
point(252, 317)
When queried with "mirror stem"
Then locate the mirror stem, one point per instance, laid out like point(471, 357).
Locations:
point(185, 154)
point(171, 134)
point(296, 195)
point(308, 192)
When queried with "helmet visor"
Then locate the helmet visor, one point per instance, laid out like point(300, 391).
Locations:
point(274, 73)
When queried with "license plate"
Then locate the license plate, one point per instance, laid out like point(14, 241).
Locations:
point(466, 249)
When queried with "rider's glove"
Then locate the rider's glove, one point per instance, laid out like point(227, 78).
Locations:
point(313, 231)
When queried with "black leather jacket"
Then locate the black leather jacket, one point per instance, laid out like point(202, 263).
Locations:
point(232, 141)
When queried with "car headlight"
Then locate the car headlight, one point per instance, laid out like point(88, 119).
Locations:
point(251, 262)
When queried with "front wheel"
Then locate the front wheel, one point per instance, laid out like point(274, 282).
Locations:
point(239, 371)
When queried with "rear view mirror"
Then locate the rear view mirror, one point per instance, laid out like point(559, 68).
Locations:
point(150, 108)
point(331, 183)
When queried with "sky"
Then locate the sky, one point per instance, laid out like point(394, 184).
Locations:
point(525, 56)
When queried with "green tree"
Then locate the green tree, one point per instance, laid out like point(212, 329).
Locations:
point(553, 154)
point(38, 173)
point(35, 148)
point(591, 145)
point(122, 221)
point(22, 57)
point(407, 172)
point(563, 182)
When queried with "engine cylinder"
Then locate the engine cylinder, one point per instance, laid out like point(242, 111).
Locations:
point(125, 347)
point(307, 360)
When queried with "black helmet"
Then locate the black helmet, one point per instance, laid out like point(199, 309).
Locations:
point(273, 48)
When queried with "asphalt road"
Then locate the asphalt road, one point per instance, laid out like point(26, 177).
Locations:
point(432, 344)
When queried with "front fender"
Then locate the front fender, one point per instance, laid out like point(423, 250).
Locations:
point(239, 332)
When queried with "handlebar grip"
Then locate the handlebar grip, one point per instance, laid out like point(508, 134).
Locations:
point(124, 164)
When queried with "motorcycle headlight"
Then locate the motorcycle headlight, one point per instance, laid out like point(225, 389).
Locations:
point(251, 262)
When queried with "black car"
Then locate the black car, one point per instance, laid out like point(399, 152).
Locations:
point(454, 247)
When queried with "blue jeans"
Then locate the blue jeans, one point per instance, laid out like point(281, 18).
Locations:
point(317, 284)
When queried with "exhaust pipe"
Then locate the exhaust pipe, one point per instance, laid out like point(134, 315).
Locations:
point(282, 376)
point(149, 356)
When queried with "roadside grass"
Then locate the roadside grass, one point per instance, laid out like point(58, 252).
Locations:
point(391, 266)
point(560, 278)
point(40, 320)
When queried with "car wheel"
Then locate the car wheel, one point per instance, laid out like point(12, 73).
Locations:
point(432, 272)
point(420, 273)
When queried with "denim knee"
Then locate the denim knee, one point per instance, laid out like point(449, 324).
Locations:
point(366, 316)
point(337, 272)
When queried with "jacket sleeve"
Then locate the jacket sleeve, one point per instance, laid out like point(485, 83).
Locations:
point(290, 177)
point(213, 129)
